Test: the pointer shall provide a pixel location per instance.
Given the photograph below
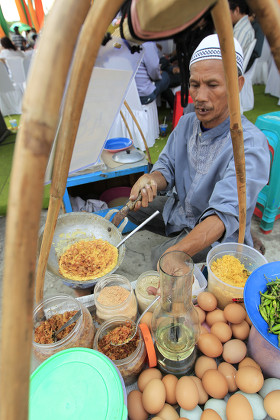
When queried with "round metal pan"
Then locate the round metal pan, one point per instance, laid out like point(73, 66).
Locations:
point(73, 227)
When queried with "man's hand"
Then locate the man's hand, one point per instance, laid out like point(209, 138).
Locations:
point(148, 185)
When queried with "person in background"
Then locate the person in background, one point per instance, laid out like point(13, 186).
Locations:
point(196, 169)
point(259, 35)
point(149, 78)
point(31, 37)
point(242, 28)
point(8, 49)
point(18, 39)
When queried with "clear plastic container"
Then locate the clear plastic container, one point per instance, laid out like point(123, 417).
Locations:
point(127, 308)
point(146, 279)
point(81, 335)
point(131, 366)
point(251, 258)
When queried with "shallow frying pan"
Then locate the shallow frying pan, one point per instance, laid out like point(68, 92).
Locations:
point(73, 227)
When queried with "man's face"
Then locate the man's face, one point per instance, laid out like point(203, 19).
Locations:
point(208, 92)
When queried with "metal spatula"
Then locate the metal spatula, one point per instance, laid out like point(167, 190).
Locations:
point(69, 322)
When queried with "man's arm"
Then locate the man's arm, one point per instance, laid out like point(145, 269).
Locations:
point(203, 235)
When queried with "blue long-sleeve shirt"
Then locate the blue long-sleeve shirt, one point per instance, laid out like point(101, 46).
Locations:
point(200, 165)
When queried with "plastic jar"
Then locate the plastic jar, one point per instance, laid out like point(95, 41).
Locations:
point(131, 366)
point(81, 335)
point(250, 257)
point(146, 279)
point(115, 306)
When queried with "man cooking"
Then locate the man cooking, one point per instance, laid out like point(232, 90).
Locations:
point(196, 167)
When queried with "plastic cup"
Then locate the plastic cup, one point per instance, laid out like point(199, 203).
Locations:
point(163, 130)
point(13, 123)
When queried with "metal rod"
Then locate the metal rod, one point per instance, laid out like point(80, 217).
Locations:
point(138, 227)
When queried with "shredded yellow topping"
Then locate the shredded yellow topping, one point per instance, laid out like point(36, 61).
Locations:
point(230, 270)
point(85, 260)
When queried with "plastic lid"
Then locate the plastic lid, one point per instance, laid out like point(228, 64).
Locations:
point(74, 384)
point(152, 358)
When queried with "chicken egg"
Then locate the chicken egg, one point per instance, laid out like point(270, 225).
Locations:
point(217, 405)
point(256, 402)
point(194, 414)
point(202, 394)
point(168, 413)
point(234, 351)
point(210, 345)
point(146, 376)
point(234, 313)
point(170, 382)
point(210, 414)
point(215, 316)
point(249, 379)
point(229, 373)
point(215, 383)
point(186, 393)
point(238, 407)
point(153, 397)
point(202, 364)
point(135, 407)
point(247, 361)
point(270, 384)
point(201, 314)
point(240, 331)
point(221, 330)
point(207, 301)
point(247, 319)
point(272, 404)
point(204, 329)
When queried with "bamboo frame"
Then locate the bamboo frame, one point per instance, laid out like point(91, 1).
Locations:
point(86, 52)
point(35, 137)
point(140, 130)
point(223, 25)
point(38, 126)
point(268, 15)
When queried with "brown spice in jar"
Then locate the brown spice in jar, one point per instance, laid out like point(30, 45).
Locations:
point(119, 335)
point(112, 295)
point(44, 332)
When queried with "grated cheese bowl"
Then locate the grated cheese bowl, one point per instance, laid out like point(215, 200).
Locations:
point(250, 257)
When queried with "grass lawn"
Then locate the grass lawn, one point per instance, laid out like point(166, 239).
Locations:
point(263, 105)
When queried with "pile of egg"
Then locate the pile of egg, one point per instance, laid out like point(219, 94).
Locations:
point(227, 385)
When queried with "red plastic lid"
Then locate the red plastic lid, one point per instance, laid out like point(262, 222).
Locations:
point(152, 358)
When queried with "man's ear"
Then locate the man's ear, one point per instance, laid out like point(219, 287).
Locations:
point(241, 81)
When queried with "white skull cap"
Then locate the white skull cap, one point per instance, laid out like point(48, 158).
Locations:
point(209, 49)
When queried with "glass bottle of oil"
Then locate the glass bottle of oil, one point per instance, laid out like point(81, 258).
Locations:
point(175, 322)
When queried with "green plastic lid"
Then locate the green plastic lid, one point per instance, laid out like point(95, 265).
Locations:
point(76, 384)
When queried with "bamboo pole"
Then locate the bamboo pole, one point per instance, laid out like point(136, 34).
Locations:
point(140, 130)
point(126, 124)
point(98, 19)
point(223, 25)
point(39, 120)
point(268, 15)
